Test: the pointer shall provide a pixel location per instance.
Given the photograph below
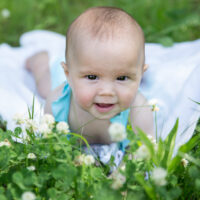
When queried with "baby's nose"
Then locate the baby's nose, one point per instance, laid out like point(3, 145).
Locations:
point(106, 89)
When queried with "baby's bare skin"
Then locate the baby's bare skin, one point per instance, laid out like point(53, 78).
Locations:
point(38, 65)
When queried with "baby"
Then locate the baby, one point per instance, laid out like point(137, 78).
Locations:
point(104, 66)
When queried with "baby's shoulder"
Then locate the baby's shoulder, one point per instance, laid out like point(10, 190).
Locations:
point(139, 100)
point(53, 96)
point(141, 114)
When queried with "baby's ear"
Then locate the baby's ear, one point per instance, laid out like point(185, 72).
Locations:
point(145, 67)
point(65, 67)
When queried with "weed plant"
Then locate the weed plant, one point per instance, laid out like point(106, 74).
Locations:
point(43, 160)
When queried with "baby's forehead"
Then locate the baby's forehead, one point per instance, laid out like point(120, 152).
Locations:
point(106, 25)
point(131, 39)
point(116, 51)
point(117, 45)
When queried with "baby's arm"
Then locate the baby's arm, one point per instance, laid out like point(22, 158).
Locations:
point(53, 96)
point(142, 115)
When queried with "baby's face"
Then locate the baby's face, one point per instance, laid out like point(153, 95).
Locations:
point(104, 76)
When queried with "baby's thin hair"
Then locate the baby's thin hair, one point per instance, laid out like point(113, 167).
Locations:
point(102, 23)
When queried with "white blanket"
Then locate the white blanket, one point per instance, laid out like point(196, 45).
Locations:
point(172, 78)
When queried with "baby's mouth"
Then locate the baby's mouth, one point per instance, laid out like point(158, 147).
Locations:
point(104, 107)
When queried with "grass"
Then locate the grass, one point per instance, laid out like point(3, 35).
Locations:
point(162, 21)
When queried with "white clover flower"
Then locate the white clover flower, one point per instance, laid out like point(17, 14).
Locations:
point(84, 159)
point(79, 160)
point(62, 127)
point(150, 137)
point(28, 196)
point(142, 153)
point(31, 168)
point(89, 160)
point(117, 132)
point(31, 125)
point(159, 176)
point(118, 180)
point(153, 102)
point(44, 129)
point(48, 119)
point(122, 167)
point(184, 162)
point(5, 143)
point(31, 156)
point(19, 118)
point(5, 13)
point(2, 144)
point(154, 141)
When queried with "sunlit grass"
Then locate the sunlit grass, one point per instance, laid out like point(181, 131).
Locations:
point(162, 21)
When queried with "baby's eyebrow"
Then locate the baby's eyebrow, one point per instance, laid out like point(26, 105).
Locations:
point(132, 74)
point(86, 71)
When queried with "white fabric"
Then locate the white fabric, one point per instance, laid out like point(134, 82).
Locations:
point(172, 78)
point(105, 152)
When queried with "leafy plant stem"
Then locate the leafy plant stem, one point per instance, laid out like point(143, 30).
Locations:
point(26, 156)
point(64, 149)
point(125, 195)
point(82, 138)
point(33, 106)
point(156, 126)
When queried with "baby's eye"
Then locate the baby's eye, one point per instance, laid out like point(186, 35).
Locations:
point(122, 78)
point(91, 77)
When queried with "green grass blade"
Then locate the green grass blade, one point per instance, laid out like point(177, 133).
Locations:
point(33, 107)
point(172, 142)
point(161, 151)
point(169, 145)
point(147, 187)
point(195, 101)
point(185, 148)
point(29, 112)
point(82, 138)
point(190, 144)
point(148, 143)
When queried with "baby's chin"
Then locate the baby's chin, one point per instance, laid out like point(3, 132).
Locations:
point(104, 116)
point(96, 114)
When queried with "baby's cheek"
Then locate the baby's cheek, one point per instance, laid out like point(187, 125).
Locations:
point(83, 98)
point(127, 98)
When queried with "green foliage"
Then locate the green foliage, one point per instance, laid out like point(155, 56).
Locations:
point(53, 171)
point(3, 123)
point(180, 174)
point(162, 21)
point(52, 165)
